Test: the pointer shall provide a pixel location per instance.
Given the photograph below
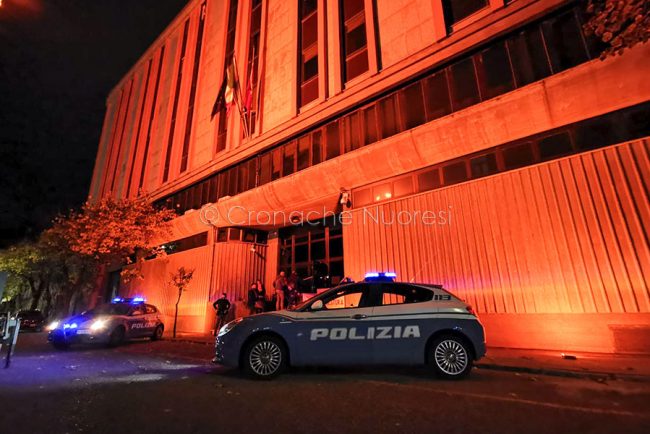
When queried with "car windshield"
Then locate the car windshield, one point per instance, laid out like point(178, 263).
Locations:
point(111, 309)
point(301, 306)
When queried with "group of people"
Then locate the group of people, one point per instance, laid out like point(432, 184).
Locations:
point(286, 293)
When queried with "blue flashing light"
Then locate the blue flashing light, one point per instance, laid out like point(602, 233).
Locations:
point(70, 326)
point(118, 300)
point(138, 300)
point(372, 274)
point(390, 274)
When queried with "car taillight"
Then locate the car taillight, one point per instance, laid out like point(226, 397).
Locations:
point(471, 310)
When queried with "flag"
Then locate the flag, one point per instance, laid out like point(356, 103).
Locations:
point(226, 93)
point(248, 99)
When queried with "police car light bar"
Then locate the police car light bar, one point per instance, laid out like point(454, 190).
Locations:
point(381, 276)
point(118, 300)
point(138, 300)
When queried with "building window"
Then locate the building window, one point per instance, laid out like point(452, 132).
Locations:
point(251, 99)
point(412, 105)
point(456, 10)
point(354, 39)
point(564, 41)
point(222, 128)
point(494, 72)
point(436, 95)
point(464, 89)
point(528, 56)
point(333, 145)
point(134, 152)
point(308, 52)
point(151, 116)
point(518, 156)
point(177, 91)
point(195, 78)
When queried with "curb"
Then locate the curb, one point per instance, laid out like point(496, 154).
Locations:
point(596, 376)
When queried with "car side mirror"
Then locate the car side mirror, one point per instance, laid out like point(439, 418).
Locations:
point(317, 305)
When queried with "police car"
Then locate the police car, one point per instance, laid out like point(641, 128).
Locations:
point(111, 324)
point(377, 321)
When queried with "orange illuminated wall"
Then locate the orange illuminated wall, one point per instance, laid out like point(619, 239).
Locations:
point(531, 249)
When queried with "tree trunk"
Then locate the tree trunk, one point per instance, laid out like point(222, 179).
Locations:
point(37, 291)
point(180, 292)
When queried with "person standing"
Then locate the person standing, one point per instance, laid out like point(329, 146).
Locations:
point(221, 306)
point(252, 298)
point(260, 297)
point(280, 286)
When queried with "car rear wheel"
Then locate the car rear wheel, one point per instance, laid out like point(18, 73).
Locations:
point(265, 358)
point(450, 357)
point(117, 337)
point(158, 333)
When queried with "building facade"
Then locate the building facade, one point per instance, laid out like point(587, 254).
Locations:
point(480, 144)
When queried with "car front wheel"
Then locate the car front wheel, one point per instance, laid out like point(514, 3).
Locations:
point(450, 357)
point(265, 357)
point(117, 337)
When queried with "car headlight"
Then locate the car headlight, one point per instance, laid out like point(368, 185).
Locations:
point(98, 324)
point(52, 325)
point(225, 329)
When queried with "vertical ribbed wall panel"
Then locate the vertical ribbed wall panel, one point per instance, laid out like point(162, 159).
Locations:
point(568, 236)
point(235, 267)
point(157, 289)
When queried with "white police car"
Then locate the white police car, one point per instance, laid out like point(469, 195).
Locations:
point(377, 321)
point(111, 323)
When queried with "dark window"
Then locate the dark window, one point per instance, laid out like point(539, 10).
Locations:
point(462, 81)
point(412, 106)
point(318, 250)
point(518, 156)
point(248, 236)
point(134, 152)
point(436, 95)
point(370, 125)
point(454, 173)
point(397, 293)
point(554, 146)
point(301, 252)
point(352, 131)
point(316, 147)
point(177, 91)
point(333, 140)
point(528, 56)
point(187, 243)
point(354, 40)
point(483, 166)
point(634, 122)
point(253, 62)
point(388, 116)
point(303, 152)
point(564, 41)
point(336, 247)
point(265, 168)
point(151, 116)
point(222, 235)
point(195, 76)
point(222, 122)
point(308, 51)
point(276, 164)
point(456, 10)
point(428, 180)
point(234, 234)
point(595, 134)
point(288, 165)
point(494, 71)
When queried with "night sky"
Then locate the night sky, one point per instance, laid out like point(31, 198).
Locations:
point(58, 61)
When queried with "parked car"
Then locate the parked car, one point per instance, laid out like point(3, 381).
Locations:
point(32, 320)
point(112, 324)
point(377, 321)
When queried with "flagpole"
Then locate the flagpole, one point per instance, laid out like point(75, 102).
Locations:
point(238, 100)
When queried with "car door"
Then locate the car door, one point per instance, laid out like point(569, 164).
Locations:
point(136, 321)
point(336, 333)
point(402, 318)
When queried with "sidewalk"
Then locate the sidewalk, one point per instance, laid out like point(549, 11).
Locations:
point(598, 366)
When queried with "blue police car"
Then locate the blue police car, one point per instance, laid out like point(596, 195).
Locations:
point(377, 321)
point(110, 323)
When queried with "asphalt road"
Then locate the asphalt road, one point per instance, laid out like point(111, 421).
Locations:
point(169, 387)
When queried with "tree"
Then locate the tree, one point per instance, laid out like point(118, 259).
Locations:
point(112, 231)
point(180, 280)
point(620, 24)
